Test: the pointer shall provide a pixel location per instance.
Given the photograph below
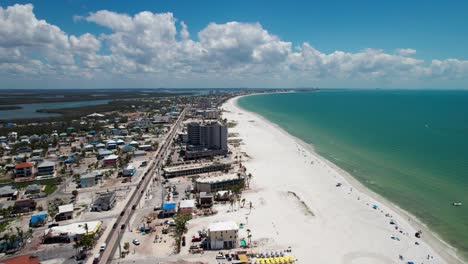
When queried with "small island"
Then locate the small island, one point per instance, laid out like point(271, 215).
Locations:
point(9, 107)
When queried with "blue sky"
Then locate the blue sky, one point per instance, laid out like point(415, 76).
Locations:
point(436, 30)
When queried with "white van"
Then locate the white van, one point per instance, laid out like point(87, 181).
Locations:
point(103, 247)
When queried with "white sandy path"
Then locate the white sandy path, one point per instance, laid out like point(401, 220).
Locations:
point(343, 230)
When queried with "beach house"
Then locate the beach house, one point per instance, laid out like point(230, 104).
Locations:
point(111, 160)
point(24, 169)
point(46, 168)
point(90, 179)
point(223, 235)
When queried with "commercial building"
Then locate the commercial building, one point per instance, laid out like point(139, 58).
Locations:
point(72, 231)
point(195, 168)
point(65, 212)
point(104, 202)
point(212, 184)
point(223, 235)
point(46, 168)
point(24, 169)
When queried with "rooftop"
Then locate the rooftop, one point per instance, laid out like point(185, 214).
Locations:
point(191, 166)
point(65, 208)
point(187, 204)
point(219, 178)
point(46, 163)
point(75, 228)
point(223, 226)
point(111, 157)
point(23, 165)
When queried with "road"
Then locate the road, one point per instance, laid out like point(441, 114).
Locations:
point(115, 235)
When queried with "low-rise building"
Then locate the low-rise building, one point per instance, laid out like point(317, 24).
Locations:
point(212, 184)
point(33, 189)
point(168, 209)
point(128, 171)
point(65, 212)
point(111, 160)
point(8, 191)
point(187, 206)
point(24, 169)
point(38, 219)
point(195, 168)
point(205, 199)
point(71, 232)
point(145, 147)
point(46, 168)
point(223, 235)
point(104, 202)
point(24, 206)
point(90, 179)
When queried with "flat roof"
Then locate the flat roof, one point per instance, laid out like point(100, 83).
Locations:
point(111, 157)
point(75, 228)
point(223, 226)
point(65, 208)
point(46, 163)
point(187, 204)
point(191, 166)
point(219, 178)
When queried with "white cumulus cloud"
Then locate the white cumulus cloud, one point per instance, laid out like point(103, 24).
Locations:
point(148, 46)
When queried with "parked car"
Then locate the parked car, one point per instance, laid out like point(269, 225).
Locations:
point(103, 247)
point(54, 224)
point(136, 242)
point(122, 226)
point(196, 239)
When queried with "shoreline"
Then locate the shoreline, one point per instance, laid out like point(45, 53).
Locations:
point(446, 251)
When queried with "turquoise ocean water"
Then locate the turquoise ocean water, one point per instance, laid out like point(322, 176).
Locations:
point(411, 147)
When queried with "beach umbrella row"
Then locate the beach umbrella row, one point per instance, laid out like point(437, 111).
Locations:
point(274, 260)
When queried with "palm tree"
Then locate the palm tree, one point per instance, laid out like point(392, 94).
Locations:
point(249, 236)
point(249, 177)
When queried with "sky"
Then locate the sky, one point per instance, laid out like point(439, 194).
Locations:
point(190, 44)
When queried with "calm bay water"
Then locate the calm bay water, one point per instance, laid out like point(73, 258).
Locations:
point(29, 110)
point(409, 146)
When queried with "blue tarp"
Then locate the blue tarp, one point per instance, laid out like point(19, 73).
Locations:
point(168, 206)
point(69, 160)
point(37, 218)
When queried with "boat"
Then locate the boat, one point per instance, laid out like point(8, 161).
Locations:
point(457, 204)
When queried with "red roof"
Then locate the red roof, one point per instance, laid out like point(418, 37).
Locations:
point(23, 165)
point(24, 259)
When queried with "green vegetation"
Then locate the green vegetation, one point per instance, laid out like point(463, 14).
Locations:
point(50, 189)
point(4, 225)
point(47, 182)
point(180, 228)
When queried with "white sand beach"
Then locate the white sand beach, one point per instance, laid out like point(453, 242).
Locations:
point(297, 203)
